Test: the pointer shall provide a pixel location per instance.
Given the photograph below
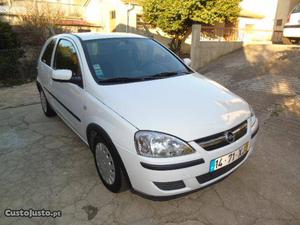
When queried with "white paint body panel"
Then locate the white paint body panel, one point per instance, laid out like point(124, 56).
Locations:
point(189, 107)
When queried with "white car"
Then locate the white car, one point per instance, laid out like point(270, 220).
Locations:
point(292, 27)
point(144, 113)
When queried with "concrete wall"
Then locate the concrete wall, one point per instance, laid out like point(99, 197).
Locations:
point(203, 52)
point(210, 50)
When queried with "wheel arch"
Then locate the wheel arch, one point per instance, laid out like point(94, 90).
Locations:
point(92, 131)
point(38, 85)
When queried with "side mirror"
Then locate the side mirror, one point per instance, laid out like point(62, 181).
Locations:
point(187, 61)
point(62, 75)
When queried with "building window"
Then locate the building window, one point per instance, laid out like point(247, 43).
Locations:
point(113, 14)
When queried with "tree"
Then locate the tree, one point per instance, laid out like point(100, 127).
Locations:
point(176, 17)
point(42, 19)
point(8, 38)
point(10, 53)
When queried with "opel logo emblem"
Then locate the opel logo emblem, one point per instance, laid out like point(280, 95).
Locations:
point(229, 136)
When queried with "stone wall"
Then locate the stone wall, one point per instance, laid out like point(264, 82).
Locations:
point(203, 52)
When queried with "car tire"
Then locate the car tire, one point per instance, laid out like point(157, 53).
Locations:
point(109, 165)
point(46, 107)
point(293, 41)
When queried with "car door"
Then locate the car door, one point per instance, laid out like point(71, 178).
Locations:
point(69, 96)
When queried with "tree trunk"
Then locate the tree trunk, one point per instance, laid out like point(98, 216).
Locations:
point(175, 45)
point(177, 41)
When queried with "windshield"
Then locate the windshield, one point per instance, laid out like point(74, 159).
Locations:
point(130, 60)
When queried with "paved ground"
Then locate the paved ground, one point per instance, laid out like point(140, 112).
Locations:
point(44, 165)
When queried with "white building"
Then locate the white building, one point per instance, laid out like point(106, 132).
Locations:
point(113, 15)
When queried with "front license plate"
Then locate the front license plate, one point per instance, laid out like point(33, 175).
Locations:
point(225, 160)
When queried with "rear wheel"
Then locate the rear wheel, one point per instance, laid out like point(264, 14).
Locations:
point(291, 41)
point(294, 41)
point(47, 109)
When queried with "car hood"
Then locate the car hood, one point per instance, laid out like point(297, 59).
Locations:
point(188, 106)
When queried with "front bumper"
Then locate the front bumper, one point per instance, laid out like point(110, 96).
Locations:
point(157, 177)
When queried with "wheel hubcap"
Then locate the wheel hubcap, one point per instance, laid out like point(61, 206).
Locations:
point(105, 163)
point(43, 101)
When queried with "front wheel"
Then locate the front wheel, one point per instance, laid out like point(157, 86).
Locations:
point(108, 165)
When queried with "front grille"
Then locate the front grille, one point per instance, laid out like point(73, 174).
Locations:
point(212, 175)
point(221, 139)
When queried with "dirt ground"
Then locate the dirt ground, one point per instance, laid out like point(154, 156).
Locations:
point(43, 165)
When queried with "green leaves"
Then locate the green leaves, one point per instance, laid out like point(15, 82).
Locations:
point(175, 17)
point(169, 15)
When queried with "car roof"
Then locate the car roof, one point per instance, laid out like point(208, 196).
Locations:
point(93, 35)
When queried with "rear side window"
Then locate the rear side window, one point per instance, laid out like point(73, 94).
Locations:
point(66, 57)
point(46, 58)
point(296, 9)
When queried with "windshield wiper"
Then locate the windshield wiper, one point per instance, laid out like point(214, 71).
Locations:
point(120, 80)
point(136, 79)
point(166, 74)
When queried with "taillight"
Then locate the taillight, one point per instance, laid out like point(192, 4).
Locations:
point(288, 20)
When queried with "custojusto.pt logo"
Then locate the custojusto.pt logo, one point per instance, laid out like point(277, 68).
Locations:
point(29, 213)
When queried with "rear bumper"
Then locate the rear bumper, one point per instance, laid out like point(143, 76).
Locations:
point(158, 178)
point(291, 31)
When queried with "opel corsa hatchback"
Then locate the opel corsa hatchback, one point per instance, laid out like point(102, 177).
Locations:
point(144, 113)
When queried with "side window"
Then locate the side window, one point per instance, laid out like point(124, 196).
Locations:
point(66, 57)
point(46, 58)
point(296, 9)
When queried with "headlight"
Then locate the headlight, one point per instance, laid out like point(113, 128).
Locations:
point(159, 145)
point(252, 116)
